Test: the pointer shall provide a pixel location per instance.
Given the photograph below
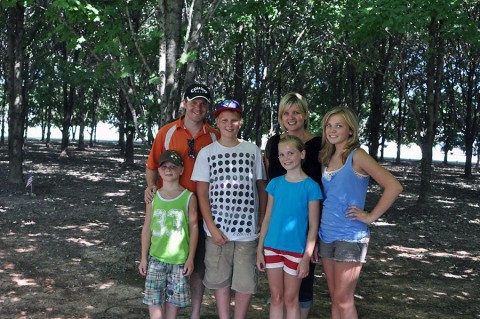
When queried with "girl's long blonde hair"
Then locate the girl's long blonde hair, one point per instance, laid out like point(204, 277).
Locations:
point(353, 142)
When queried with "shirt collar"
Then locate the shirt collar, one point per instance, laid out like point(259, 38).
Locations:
point(181, 125)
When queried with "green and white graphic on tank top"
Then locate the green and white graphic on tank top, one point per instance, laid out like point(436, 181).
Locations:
point(169, 227)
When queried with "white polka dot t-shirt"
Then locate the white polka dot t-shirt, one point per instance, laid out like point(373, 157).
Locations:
point(232, 173)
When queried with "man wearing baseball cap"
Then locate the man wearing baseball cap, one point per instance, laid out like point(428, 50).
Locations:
point(187, 135)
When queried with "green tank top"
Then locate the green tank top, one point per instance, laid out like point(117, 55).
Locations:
point(169, 228)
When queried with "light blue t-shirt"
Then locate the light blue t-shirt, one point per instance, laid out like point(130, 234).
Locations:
point(289, 220)
point(343, 188)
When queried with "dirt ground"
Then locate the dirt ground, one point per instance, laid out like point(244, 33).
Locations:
point(72, 249)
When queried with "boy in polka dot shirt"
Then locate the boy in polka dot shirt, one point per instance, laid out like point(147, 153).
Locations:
point(231, 182)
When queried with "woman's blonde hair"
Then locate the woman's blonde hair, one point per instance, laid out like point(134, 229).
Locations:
point(289, 100)
point(328, 149)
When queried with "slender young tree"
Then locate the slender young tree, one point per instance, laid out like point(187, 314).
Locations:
point(15, 53)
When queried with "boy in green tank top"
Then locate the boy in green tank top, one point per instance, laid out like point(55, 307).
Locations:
point(169, 240)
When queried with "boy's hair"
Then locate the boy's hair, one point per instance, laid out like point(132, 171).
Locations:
point(289, 100)
point(299, 145)
point(353, 141)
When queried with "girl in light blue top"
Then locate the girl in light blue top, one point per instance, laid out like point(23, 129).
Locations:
point(289, 229)
point(344, 233)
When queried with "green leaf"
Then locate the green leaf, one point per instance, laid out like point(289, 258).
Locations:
point(124, 74)
point(154, 79)
point(185, 58)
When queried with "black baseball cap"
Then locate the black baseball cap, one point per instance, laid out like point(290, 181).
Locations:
point(197, 90)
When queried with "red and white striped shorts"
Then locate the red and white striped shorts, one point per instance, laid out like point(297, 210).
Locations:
point(275, 258)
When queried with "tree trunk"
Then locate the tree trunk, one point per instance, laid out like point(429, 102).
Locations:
point(3, 113)
point(375, 114)
point(130, 134)
point(434, 69)
point(82, 115)
point(169, 17)
point(43, 122)
point(335, 80)
point(3, 106)
point(122, 120)
point(352, 84)
point(150, 124)
point(478, 144)
point(93, 111)
point(238, 91)
point(15, 34)
point(471, 117)
point(162, 63)
point(196, 20)
point(401, 113)
point(170, 22)
point(449, 118)
point(49, 124)
point(195, 24)
point(385, 51)
point(68, 104)
point(27, 84)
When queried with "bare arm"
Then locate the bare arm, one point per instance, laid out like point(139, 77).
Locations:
point(151, 176)
point(204, 204)
point(145, 240)
point(263, 233)
point(364, 163)
point(262, 201)
point(266, 161)
point(313, 222)
point(193, 230)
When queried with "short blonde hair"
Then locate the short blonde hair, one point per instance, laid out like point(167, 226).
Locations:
point(289, 100)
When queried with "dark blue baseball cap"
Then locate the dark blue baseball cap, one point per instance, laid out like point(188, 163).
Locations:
point(228, 105)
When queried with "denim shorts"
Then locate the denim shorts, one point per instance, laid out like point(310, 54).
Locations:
point(346, 251)
point(166, 283)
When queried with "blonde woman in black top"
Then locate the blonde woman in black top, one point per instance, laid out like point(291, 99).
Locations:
point(293, 118)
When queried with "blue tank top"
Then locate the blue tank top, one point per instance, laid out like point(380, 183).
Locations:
point(343, 188)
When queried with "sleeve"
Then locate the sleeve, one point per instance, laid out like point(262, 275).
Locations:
point(260, 166)
point(271, 186)
point(274, 169)
point(311, 166)
point(314, 192)
point(201, 170)
point(268, 147)
point(155, 151)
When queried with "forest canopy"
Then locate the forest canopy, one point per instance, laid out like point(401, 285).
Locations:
point(410, 69)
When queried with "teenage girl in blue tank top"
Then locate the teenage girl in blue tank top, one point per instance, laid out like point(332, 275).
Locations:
point(344, 233)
